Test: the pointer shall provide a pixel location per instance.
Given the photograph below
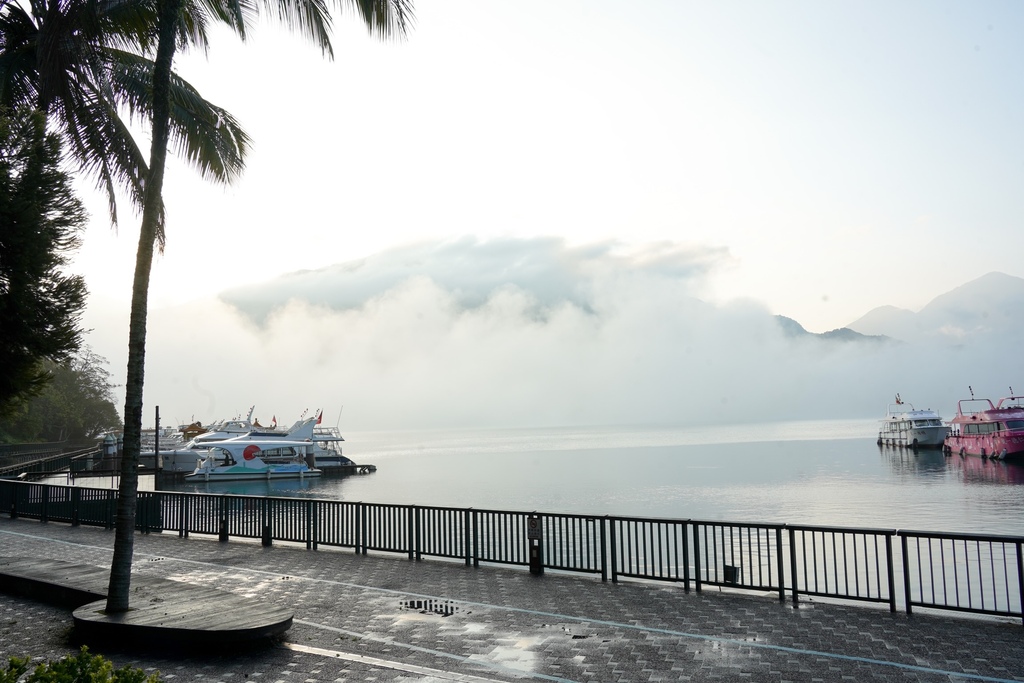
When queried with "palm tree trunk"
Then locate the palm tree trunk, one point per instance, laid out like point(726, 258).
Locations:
point(121, 564)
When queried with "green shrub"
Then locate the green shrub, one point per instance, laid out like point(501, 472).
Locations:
point(80, 668)
point(16, 666)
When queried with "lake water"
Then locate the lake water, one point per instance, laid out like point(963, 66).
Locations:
point(823, 472)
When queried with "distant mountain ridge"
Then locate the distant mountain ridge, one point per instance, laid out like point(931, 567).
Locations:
point(993, 304)
point(792, 328)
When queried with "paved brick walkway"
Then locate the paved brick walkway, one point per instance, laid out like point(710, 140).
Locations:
point(384, 618)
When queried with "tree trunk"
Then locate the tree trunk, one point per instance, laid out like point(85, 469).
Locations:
point(121, 563)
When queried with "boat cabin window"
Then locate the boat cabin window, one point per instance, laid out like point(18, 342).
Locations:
point(982, 428)
point(1015, 424)
point(280, 452)
point(928, 423)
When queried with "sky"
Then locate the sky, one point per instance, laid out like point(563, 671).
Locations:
point(576, 212)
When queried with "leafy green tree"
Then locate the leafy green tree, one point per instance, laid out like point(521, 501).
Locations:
point(76, 406)
point(384, 18)
point(40, 305)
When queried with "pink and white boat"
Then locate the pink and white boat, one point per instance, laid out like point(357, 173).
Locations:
point(991, 431)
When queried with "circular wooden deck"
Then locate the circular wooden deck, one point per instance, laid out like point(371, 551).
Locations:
point(161, 612)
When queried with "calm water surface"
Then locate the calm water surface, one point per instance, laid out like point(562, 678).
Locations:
point(828, 473)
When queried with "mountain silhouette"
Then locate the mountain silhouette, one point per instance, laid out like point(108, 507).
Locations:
point(992, 305)
point(792, 328)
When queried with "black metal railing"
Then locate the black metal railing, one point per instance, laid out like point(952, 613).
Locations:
point(48, 460)
point(962, 572)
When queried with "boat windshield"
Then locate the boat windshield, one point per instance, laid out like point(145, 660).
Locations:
point(222, 455)
point(927, 423)
point(1015, 424)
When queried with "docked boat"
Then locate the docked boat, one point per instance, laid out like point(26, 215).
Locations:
point(991, 431)
point(244, 458)
point(183, 458)
point(327, 447)
point(906, 427)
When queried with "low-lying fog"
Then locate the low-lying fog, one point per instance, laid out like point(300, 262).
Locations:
point(526, 333)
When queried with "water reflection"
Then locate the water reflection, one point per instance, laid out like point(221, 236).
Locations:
point(974, 470)
point(929, 463)
point(934, 464)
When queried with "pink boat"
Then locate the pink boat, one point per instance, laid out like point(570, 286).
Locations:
point(991, 431)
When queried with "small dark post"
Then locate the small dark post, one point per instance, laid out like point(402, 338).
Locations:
point(267, 538)
point(223, 537)
point(534, 539)
point(158, 464)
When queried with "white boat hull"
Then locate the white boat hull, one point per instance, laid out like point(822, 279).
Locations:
point(251, 476)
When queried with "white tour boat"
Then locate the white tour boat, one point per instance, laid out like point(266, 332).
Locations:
point(906, 427)
point(247, 458)
point(183, 458)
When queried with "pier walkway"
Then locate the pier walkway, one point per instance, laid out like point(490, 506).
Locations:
point(384, 618)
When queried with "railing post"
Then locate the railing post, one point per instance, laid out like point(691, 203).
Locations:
point(476, 539)
point(603, 521)
point(696, 558)
point(363, 526)
point(76, 501)
point(467, 540)
point(686, 556)
point(314, 514)
point(186, 516)
point(222, 516)
point(614, 544)
point(891, 573)
point(414, 533)
point(267, 535)
point(794, 576)
point(780, 563)
point(44, 508)
point(309, 525)
point(111, 508)
point(144, 511)
point(1020, 580)
point(906, 573)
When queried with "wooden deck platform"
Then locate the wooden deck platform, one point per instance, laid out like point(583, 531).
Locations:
point(164, 612)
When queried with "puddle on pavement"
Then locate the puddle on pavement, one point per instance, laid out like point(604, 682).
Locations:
point(519, 656)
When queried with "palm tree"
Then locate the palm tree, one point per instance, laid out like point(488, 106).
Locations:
point(383, 18)
point(81, 62)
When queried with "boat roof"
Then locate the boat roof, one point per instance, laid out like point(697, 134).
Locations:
point(1005, 406)
point(906, 411)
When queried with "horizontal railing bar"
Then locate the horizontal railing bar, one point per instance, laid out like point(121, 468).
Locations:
point(957, 536)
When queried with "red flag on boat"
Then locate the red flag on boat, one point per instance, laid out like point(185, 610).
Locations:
point(319, 416)
point(274, 421)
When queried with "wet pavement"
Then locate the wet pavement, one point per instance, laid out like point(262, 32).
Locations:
point(385, 618)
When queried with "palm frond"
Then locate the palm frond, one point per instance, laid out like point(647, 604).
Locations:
point(206, 136)
point(309, 18)
point(383, 18)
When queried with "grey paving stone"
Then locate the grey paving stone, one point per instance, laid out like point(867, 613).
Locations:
point(385, 618)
